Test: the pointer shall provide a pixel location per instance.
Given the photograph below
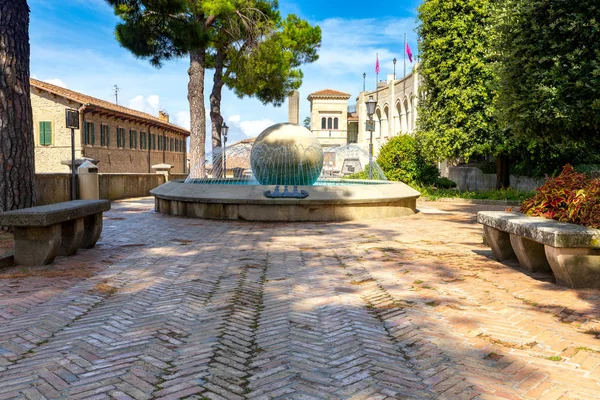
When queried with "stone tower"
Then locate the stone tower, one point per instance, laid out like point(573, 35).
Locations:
point(294, 108)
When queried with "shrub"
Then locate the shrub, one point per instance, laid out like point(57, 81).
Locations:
point(444, 183)
point(401, 160)
point(570, 197)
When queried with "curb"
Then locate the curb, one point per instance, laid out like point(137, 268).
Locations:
point(475, 201)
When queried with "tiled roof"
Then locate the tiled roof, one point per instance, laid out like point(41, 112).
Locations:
point(93, 103)
point(329, 93)
point(352, 117)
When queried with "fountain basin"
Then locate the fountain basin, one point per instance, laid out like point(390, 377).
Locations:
point(343, 202)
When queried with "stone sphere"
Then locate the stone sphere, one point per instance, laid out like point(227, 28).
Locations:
point(286, 154)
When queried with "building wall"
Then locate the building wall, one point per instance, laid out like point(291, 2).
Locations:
point(115, 159)
point(334, 108)
point(396, 111)
point(47, 107)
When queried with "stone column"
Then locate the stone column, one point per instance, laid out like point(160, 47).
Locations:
point(71, 236)
point(499, 241)
point(92, 226)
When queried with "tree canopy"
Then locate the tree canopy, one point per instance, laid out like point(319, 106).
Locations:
point(550, 69)
point(456, 110)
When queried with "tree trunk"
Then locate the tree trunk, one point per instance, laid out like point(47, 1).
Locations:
point(17, 168)
point(216, 118)
point(502, 172)
point(197, 113)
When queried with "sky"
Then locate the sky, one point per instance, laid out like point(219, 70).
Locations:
point(73, 45)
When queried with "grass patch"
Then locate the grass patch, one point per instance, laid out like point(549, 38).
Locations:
point(433, 303)
point(502, 194)
point(418, 282)
point(554, 358)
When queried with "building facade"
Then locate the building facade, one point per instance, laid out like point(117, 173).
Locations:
point(395, 113)
point(121, 139)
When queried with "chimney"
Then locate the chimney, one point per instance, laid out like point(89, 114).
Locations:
point(163, 116)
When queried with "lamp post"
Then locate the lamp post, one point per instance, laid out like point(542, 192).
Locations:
point(364, 78)
point(394, 60)
point(224, 130)
point(371, 104)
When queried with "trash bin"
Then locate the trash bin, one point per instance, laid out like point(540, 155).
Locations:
point(88, 181)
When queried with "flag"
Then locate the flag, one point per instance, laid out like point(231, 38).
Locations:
point(408, 52)
point(377, 65)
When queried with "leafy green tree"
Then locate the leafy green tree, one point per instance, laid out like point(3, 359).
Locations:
point(549, 91)
point(260, 56)
point(457, 118)
point(306, 123)
point(229, 36)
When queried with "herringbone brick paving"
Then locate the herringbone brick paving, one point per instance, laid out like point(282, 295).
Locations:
point(174, 308)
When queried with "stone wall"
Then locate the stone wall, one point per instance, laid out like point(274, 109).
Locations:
point(56, 187)
point(50, 108)
point(472, 179)
point(125, 159)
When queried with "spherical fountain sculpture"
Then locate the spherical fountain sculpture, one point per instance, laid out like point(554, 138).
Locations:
point(286, 155)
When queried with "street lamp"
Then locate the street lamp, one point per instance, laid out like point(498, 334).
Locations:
point(371, 104)
point(224, 130)
point(364, 78)
point(394, 60)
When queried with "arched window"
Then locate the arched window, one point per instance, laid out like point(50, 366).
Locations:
point(335, 123)
point(329, 123)
point(323, 123)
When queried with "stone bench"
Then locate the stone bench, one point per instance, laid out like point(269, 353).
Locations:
point(41, 233)
point(571, 252)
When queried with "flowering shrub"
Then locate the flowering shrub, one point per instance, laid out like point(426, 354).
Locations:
point(570, 197)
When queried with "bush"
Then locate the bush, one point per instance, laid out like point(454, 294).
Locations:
point(570, 197)
point(401, 160)
point(444, 183)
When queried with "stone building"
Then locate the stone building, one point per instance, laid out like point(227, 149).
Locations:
point(336, 123)
point(122, 139)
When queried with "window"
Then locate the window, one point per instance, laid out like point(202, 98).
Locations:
point(104, 135)
point(323, 123)
point(335, 123)
point(153, 141)
point(132, 139)
point(172, 144)
point(88, 133)
point(329, 120)
point(121, 137)
point(160, 143)
point(45, 133)
point(142, 140)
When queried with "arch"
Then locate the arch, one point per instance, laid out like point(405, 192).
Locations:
point(329, 123)
point(323, 123)
point(406, 125)
point(336, 123)
point(413, 113)
point(397, 127)
point(385, 122)
point(377, 118)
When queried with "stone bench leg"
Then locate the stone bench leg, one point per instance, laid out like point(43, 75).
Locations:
point(37, 245)
point(72, 236)
point(92, 230)
point(499, 241)
point(531, 255)
point(575, 267)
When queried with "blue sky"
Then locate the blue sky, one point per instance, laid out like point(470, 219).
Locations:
point(73, 45)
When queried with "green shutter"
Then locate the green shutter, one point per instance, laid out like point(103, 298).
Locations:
point(93, 133)
point(45, 133)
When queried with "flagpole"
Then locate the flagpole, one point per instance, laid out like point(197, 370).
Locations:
point(405, 54)
point(377, 78)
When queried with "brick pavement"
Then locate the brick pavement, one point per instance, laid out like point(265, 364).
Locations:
point(167, 307)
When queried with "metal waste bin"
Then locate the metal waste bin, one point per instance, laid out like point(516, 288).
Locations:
point(88, 181)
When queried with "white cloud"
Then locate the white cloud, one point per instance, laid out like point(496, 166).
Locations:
point(150, 104)
point(55, 81)
point(182, 118)
point(250, 128)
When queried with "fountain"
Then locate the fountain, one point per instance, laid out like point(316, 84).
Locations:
point(286, 182)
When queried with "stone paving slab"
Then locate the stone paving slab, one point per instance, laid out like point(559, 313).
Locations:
point(414, 307)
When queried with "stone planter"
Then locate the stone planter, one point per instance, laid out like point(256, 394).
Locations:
point(571, 252)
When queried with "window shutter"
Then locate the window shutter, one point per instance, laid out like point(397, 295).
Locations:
point(42, 133)
point(107, 136)
point(93, 133)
